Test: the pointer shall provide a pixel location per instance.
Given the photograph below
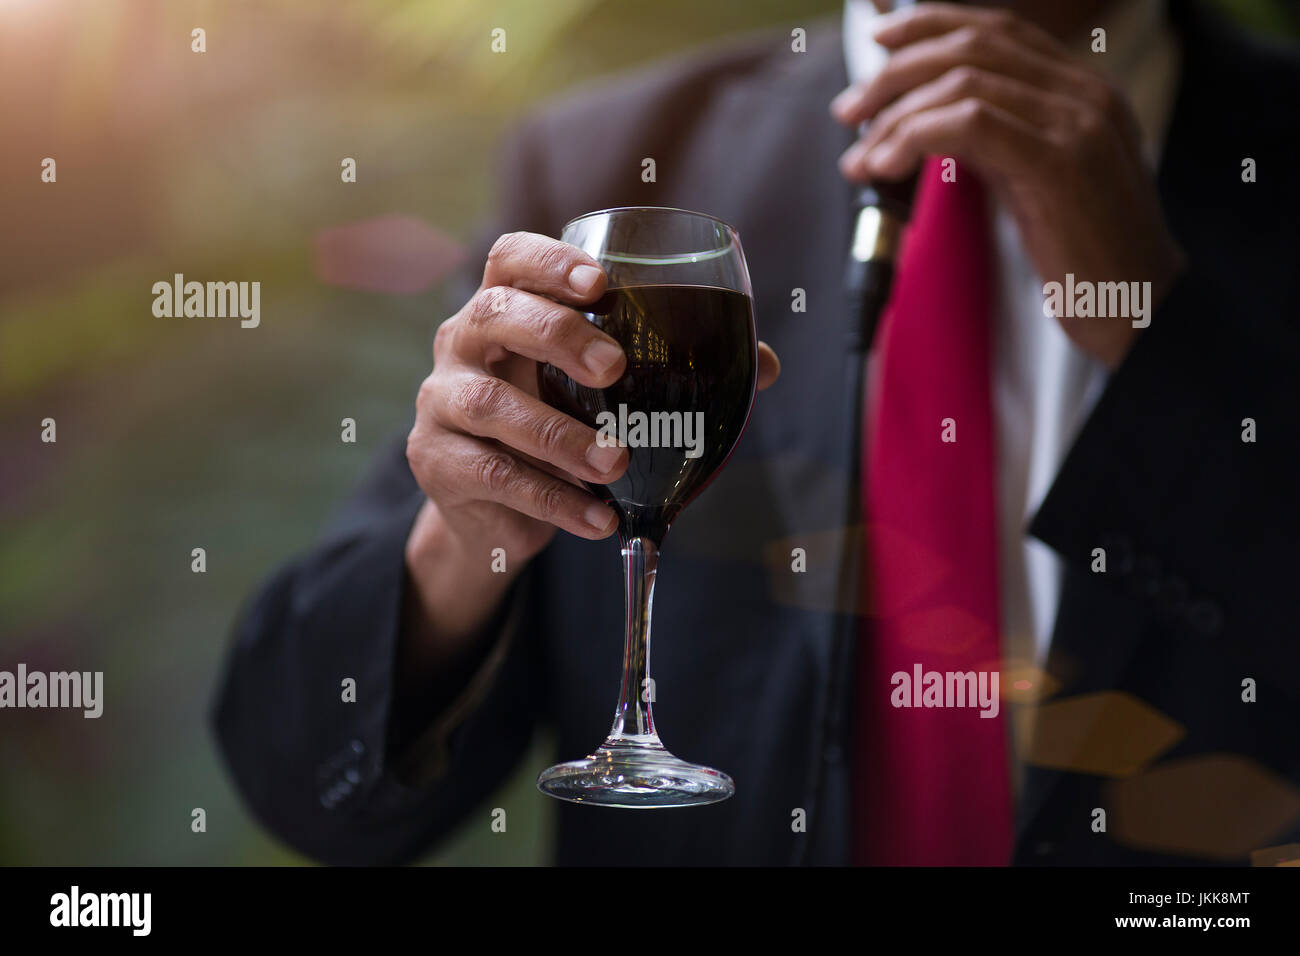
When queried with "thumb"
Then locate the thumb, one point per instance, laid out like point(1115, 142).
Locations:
point(769, 366)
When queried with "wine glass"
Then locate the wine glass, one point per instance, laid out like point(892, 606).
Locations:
point(679, 302)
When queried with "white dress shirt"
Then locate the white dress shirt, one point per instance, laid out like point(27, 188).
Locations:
point(1043, 386)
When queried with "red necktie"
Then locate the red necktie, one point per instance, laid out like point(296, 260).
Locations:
point(932, 783)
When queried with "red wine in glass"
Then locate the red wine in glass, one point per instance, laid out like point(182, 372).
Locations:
point(690, 372)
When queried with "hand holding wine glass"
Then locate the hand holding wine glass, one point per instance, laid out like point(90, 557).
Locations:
point(501, 468)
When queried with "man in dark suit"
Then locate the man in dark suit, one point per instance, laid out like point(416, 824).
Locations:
point(1148, 655)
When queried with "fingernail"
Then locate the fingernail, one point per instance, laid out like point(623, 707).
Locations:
point(583, 279)
point(599, 517)
point(603, 458)
point(852, 157)
point(843, 101)
point(874, 160)
point(888, 20)
point(600, 356)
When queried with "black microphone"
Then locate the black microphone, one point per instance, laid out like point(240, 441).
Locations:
point(883, 209)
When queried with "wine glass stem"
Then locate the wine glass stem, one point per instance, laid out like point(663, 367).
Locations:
point(634, 718)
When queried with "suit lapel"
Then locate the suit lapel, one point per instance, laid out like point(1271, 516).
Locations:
point(771, 154)
point(792, 207)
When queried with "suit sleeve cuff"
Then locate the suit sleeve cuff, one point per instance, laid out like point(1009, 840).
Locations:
point(426, 756)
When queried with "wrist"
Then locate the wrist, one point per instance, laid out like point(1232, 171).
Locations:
point(453, 586)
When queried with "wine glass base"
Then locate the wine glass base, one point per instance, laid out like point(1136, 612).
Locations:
point(637, 774)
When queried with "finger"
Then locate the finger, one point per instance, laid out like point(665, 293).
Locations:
point(474, 469)
point(526, 260)
point(1105, 97)
point(539, 329)
point(491, 408)
point(929, 59)
point(769, 366)
point(910, 24)
point(987, 136)
point(962, 82)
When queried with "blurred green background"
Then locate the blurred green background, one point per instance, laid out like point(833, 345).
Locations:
point(176, 434)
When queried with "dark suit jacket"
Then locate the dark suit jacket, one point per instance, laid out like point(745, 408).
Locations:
point(1201, 529)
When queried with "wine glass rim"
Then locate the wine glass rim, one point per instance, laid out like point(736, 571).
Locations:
point(689, 212)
